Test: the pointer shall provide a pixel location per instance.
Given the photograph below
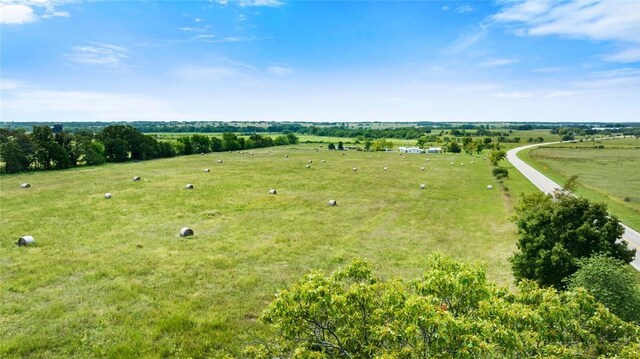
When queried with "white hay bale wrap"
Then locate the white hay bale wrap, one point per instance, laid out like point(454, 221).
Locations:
point(310, 161)
point(219, 161)
point(423, 186)
point(355, 169)
point(206, 170)
point(489, 187)
point(25, 185)
point(188, 186)
point(186, 232)
point(107, 195)
point(307, 166)
point(421, 168)
point(385, 168)
point(25, 241)
point(136, 178)
point(333, 203)
point(273, 191)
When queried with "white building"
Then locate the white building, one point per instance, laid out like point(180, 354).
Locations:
point(434, 150)
point(410, 150)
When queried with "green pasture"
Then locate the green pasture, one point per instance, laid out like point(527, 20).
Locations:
point(610, 174)
point(112, 278)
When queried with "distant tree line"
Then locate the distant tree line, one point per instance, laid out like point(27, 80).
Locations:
point(44, 150)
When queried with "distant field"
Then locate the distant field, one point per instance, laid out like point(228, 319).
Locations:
point(112, 278)
point(610, 174)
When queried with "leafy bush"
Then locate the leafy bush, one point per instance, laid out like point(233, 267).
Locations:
point(612, 283)
point(452, 311)
point(500, 172)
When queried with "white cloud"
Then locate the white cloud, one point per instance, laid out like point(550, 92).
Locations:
point(268, 3)
point(498, 62)
point(598, 20)
point(514, 95)
point(462, 9)
point(16, 14)
point(7, 84)
point(467, 39)
point(20, 12)
point(560, 93)
point(38, 104)
point(546, 70)
point(101, 54)
point(230, 71)
point(279, 70)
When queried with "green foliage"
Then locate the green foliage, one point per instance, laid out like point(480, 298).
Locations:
point(452, 311)
point(612, 283)
point(340, 146)
point(381, 144)
point(556, 231)
point(331, 146)
point(500, 172)
point(454, 147)
point(496, 156)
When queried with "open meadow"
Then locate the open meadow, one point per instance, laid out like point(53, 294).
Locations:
point(607, 172)
point(112, 278)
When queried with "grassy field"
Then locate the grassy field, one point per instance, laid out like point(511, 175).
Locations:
point(608, 174)
point(112, 278)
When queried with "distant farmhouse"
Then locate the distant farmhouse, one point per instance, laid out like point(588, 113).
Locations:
point(434, 150)
point(410, 150)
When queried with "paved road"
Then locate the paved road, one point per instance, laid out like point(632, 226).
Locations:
point(547, 186)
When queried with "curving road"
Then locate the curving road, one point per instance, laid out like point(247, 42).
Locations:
point(548, 186)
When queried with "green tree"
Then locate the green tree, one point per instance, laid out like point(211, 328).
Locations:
point(331, 146)
point(216, 145)
point(281, 140)
point(340, 146)
point(367, 144)
point(612, 282)
point(555, 231)
point(452, 311)
point(293, 139)
point(496, 156)
point(201, 143)
point(14, 158)
point(453, 147)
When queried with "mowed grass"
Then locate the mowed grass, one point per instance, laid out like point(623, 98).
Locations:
point(112, 278)
point(610, 174)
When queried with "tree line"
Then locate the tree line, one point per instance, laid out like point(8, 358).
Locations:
point(42, 149)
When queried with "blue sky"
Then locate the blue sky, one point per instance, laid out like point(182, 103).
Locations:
point(272, 60)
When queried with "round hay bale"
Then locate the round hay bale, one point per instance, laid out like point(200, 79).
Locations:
point(310, 161)
point(107, 195)
point(273, 191)
point(461, 164)
point(323, 161)
point(136, 178)
point(219, 161)
point(206, 170)
point(186, 232)
point(25, 185)
point(422, 168)
point(427, 160)
point(423, 186)
point(385, 168)
point(471, 162)
point(378, 156)
point(404, 158)
point(251, 153)
point(452, 163)
point(188, 186)
point(354, 169)
point(202, 153)
point(25, 241)
point(489, 187)
point(333, 203)
point(369, 156)
point(286, 156)
point(307, 166)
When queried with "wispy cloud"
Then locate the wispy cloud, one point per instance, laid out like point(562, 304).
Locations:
point(514, 95)
point(19, 12)
point(498, 62)
point(462, 9)
point(588, 19)
point(107, 55)
point(467, 39)
point(560, 93)
point(279, 70)
point(268, 3)
point(546, 70)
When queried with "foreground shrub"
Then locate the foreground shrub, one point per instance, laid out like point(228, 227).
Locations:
point(500, 172)
point(612, 283)
point(452, 311)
